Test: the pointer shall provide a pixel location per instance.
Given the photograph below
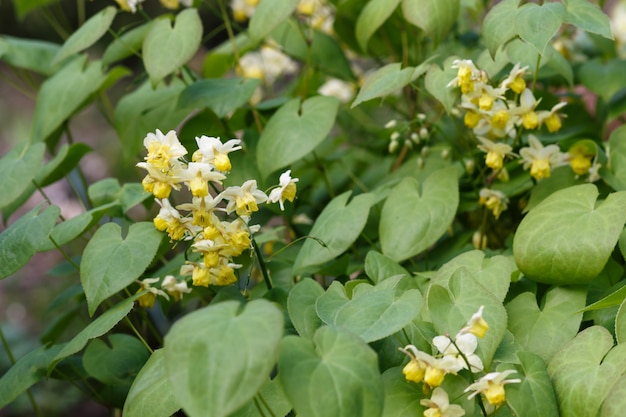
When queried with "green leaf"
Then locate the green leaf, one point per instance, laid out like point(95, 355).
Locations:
point(535, 388)
point(66, 159)
point(274, 401)
point(387, 80)
point(17, 169)
point(372, 17)
point(29, 369)
point(614, 173)
point(145, 110)
point(116, 362)
point(611, 300)
point(88, 34)
point(56, 102)
point(133, 194)
point(379, 267)
point(568, 237)
point(587, 16)
point(267, 16)
point(151, 394)
point(23, 7)
point(301, 307)
point(437, 81)
point(23, 238)
point(338, 226)
point(451, 307)
point(374, 312)
point(111, 262)
point(538, 24)
point(335, 366)
point(544, 331)
point(294, 131)
point(167, 48)
point(497, 27)
point(29, 54)
point(620, 323)
point(402, 398)
point(435, 17)
point(526, 54)
point(586, 371)
point(96, 328)
point(560, 178)
point(221, 95)
point(220, 368)
point(414, 216)
point(128, 44)
point(603, 76)
point(105, 191)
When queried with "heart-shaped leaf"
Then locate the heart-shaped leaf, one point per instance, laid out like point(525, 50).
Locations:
point(117, 362)
point(402, 398)
point(217, 370)
point(586, 371)
point(267, 16)
point(335, 366)
point(223, 96)
point(151, 394)
point(497, 27)
point(111, 262)
point(603, 76)
point(435, 17)
point(18, 167)
point(29, 54)
point(167, 48)
point(301, 307)
point(614, 172)
point(538, 24)
point(294, 131)
point(436, 83)
point(374, 312)
point(544, 331)
point(129, 43)
point(588, 16)
point(414, 217)
point(568, 237)
point(379, 267)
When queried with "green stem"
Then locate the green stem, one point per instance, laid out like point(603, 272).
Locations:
point(134, 329)
point(259, 256)
point(322, 168)
point(229, 30)
point(266, 404)
point(80, 10)
point(536, 72)
point(479, 399)
point(258, 406)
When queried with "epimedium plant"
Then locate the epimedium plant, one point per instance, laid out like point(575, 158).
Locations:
point(379, 208)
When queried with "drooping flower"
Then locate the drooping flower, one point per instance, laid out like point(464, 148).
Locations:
point(494, 200)
point(464, 345)
point(541, 159)
point(147, 300)
point(244, 199)
point(526, 110)
point(476, 325)
point(515, 80)
point(163, 149)
point(175, 288)
point(551, 117)
point(424, 367)
point(286, 190)
point(491, 386)
point(212, 151)
point(197, 177)
point(439, 405)
point(496, 152)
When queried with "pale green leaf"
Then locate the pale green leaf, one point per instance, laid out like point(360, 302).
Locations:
point(620, 323)
point(117, 361)
point(267, 16)
point(273, 399)
point(151, 393)
point(379, 267)
point(301, 307)
point(223, 96)
point(588, 16)
point(497, 27)
point(402, 398)
point(22, 239)
point(18, 168)
point(568, 237)
point(88, 34)
point(127, 44)
point(111, 262)
point(538, 24)
point(373, 312)
point(336, 374)
point(66, 159)
point(544, 331)
point(614, 173)
point(29, 54)
point(338, 226)
point(218, 357)
point(437, 81)
point(415, 216)
point(603, 76)
point(435, 17)
point(294, 131)
point(372, 17)
point(167, 48)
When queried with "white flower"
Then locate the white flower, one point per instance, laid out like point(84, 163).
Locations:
point(245, 199)
point(466, 344)
point(197, 175)
point(492, 387)
point(175, 288)
point(276, 63)
point(212, 151)
point(340, 89)
point(439, 405)
point(541, 159)
point(285, 191)
point(477, 324)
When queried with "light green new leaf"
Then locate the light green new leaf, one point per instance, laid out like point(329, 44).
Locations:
point(133, 194)
point(29, 54)
point(338, 226)
point(437, 80)
point(218, 357)
point(294, 131)
point(23, 238)
point(587, 16)
point(372, 17)
point(568, 237)
point(18, 168)
point(374, 312)
point(56, 102)
point(336, 374)
point(379, 267)
point(267, 16)
point(151, 394)
point(497, 27)
point(435, 17)
point(586, 371)
point(402, 398)
point(96, 328)
point(167, 48)
point(128, 44)
point(414, 217)
point(603, 76)
point(451, 308)
point(111, 262)
point(117, 361)
point(535, 388)
point(88, 34)
point(25, 372)
point(538, 24)
point(614, 173)
point(544, 331)
point(301, 307)
point(222, 95)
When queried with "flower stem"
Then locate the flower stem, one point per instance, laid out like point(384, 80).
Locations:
point(259, 256)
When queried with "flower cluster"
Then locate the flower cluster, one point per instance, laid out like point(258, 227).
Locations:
point(217, 218)
point(455, 355)
point(320, 13)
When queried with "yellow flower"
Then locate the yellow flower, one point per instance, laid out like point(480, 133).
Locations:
point(496, 152)
point(494, 200)
point(243, 200)
point(174, 288)
point(515, 80)
point(471, 119)
point(551, 118)
point(147, 300)
point(414, 370)
point(541, 159)
point(170, 4)
point(439, 405)
point(286, 190)
point(476, 324)
point(491, 386)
